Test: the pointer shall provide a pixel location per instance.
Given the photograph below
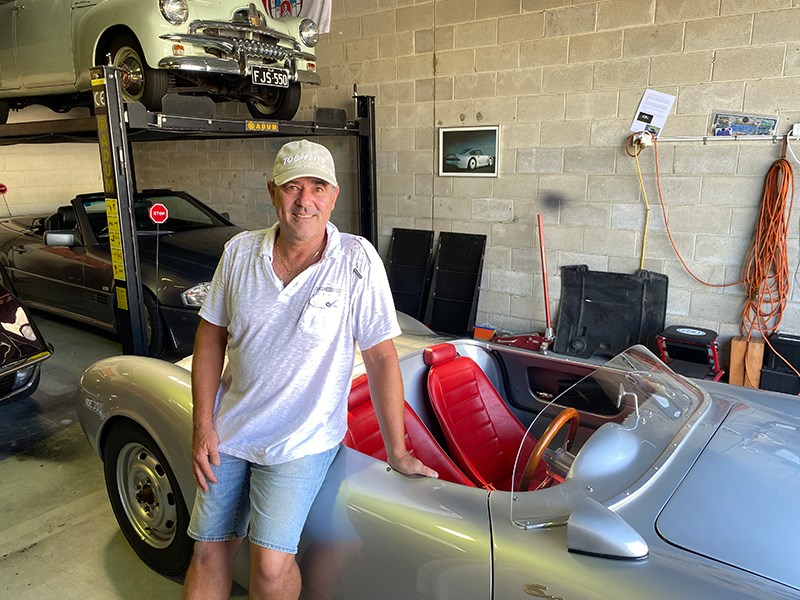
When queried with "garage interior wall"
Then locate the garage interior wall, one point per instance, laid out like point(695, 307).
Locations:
point(563, 81)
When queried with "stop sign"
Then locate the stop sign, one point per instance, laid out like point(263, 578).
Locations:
point(158, 213)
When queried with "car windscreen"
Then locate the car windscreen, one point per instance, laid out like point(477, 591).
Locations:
point(654, 405)
point(184, 213)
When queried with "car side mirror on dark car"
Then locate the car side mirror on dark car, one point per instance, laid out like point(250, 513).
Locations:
point(62, 237)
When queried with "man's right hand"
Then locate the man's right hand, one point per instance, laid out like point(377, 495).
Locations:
point(205, 454)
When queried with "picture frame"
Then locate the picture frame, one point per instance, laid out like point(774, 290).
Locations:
point(469, 151)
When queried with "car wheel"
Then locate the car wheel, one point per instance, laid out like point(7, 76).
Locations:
point(146, 500)
point(491, 161)
point(276, 103)
point(140, 83)
point(472, 164)
point(155, 326)
point(4, 107)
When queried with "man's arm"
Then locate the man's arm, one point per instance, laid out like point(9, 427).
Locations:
point(209, 356)
point(386, 389)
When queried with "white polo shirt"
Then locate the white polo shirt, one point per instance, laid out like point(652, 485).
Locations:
point(283, 393)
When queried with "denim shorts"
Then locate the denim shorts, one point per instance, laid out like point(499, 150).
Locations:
point(272, 500)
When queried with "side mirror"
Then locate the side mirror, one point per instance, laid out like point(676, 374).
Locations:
point(63, 237)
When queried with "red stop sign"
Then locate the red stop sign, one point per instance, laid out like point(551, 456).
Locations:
point(3, 188)
point(158, 213)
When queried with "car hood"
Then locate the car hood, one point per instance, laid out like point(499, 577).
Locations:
point(739, 503)
point(193, 253)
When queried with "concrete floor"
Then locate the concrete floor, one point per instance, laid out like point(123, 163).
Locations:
point(58, 535)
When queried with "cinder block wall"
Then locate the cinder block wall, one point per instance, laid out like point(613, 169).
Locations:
point(563, 81)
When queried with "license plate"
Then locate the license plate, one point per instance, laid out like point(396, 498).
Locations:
point(269, 76)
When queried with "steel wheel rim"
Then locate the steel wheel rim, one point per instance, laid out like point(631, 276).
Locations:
point(129, 61)
point(146, 495)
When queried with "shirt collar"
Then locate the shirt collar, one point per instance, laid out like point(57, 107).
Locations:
point(332, 248)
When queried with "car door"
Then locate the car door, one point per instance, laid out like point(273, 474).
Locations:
point(43, 35)
point(395, 537)
point(48, 276)
point(9, 75)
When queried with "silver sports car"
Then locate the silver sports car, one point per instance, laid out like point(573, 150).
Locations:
point(558, 479)
point(469, 158)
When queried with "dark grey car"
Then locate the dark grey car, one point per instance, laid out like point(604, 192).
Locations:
point(61, 263)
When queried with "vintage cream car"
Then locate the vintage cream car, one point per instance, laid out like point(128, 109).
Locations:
point(226, 49)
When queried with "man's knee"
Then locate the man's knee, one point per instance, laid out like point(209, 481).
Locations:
point(214, 553)
point(271, 565)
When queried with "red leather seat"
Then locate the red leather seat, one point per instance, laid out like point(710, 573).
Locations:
point(363, 434)
point(482, 434)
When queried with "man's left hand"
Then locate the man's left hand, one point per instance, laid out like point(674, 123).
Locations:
point(408, 465)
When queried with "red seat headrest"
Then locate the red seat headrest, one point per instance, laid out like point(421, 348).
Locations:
point(439, 353)
point(359, 392)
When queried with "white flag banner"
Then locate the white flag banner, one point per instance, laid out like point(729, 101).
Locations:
point(317, 10)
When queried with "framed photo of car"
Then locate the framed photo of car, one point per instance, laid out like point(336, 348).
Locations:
point(469, 151)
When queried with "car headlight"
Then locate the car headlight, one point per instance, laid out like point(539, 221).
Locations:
point(23, 376)
point(196, 295)
point(174, 11)
point(309, 32)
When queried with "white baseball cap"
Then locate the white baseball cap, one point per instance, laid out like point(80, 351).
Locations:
point(303, 159)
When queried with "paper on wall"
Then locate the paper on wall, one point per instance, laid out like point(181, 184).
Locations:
point(653, 112)
point(317, 10)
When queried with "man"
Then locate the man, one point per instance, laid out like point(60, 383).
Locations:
point(289, 303)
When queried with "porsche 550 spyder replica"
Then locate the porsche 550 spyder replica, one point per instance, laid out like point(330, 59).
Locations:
point(557, 478)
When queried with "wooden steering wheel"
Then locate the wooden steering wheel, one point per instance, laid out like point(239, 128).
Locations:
point(568, 415)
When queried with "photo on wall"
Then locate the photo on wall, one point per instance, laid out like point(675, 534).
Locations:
point(469, 151)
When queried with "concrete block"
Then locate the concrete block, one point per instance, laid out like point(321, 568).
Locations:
point(491, 301)
point(572, 78)
point(704, 304)
point(793, 60)
point(700, 219)
point(497, 257)
point(386, 117)
point(443, 89)
point(705, 160)
point(630, 264)
point(424, 90)
point(564, 191)
point(476, 34)
point(520, 135)
point(415, 115)
point(418, 162)
point(359, 7)
point(444, 38)
point(594, 47)
point(499, 8)
point(619, 14)
point(618, 188)
point(776, 26)
point(720, 32)
point(611, 242)
point(512, 234)
point(660, 248)
point(469, 226)
point(609, 132)
point(415, 206)
point(705, 97)
point(519, 82)
point(424, 41)
point(632, 72)
point(499, 58)
point(678, 125)
point(541, 108)
point(345, 30)
point(570, 21)
point(455, 62)
point(560, 237)
point(495, 210)
point(732, 191)
point(540, 160)
point(412, 18)
point(771, 96)
point(629, 99)
point(361, 50)
point(396, 139)
point(594, 262)
point(397, 92)
point(490, 111)
point(744, 221)
point(472, 187)
point(589, 160)
point(538, 53)
point(396, 44)
point(676, 189)
point(721, 249)
point(452, 208)
point(757, 160)
point(566, 134)
point(630, 216)
point(449, 12)
point(520, 28)
point(377, 71)
point(414, 67)
point(482, 85)
point(653, 41)
point(379, 24)
point(668, 11)
point(456, 112)
point(386, 224)
point(516, 185)
point(592, 105)
point(692, 67)
point(760, 62)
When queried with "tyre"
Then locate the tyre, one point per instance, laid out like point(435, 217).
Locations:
point(4, 107)
point(277, 103)
point(154, 325)
point(140, 83)
point(491, 161)
point(472, 164)
point(146, 500)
